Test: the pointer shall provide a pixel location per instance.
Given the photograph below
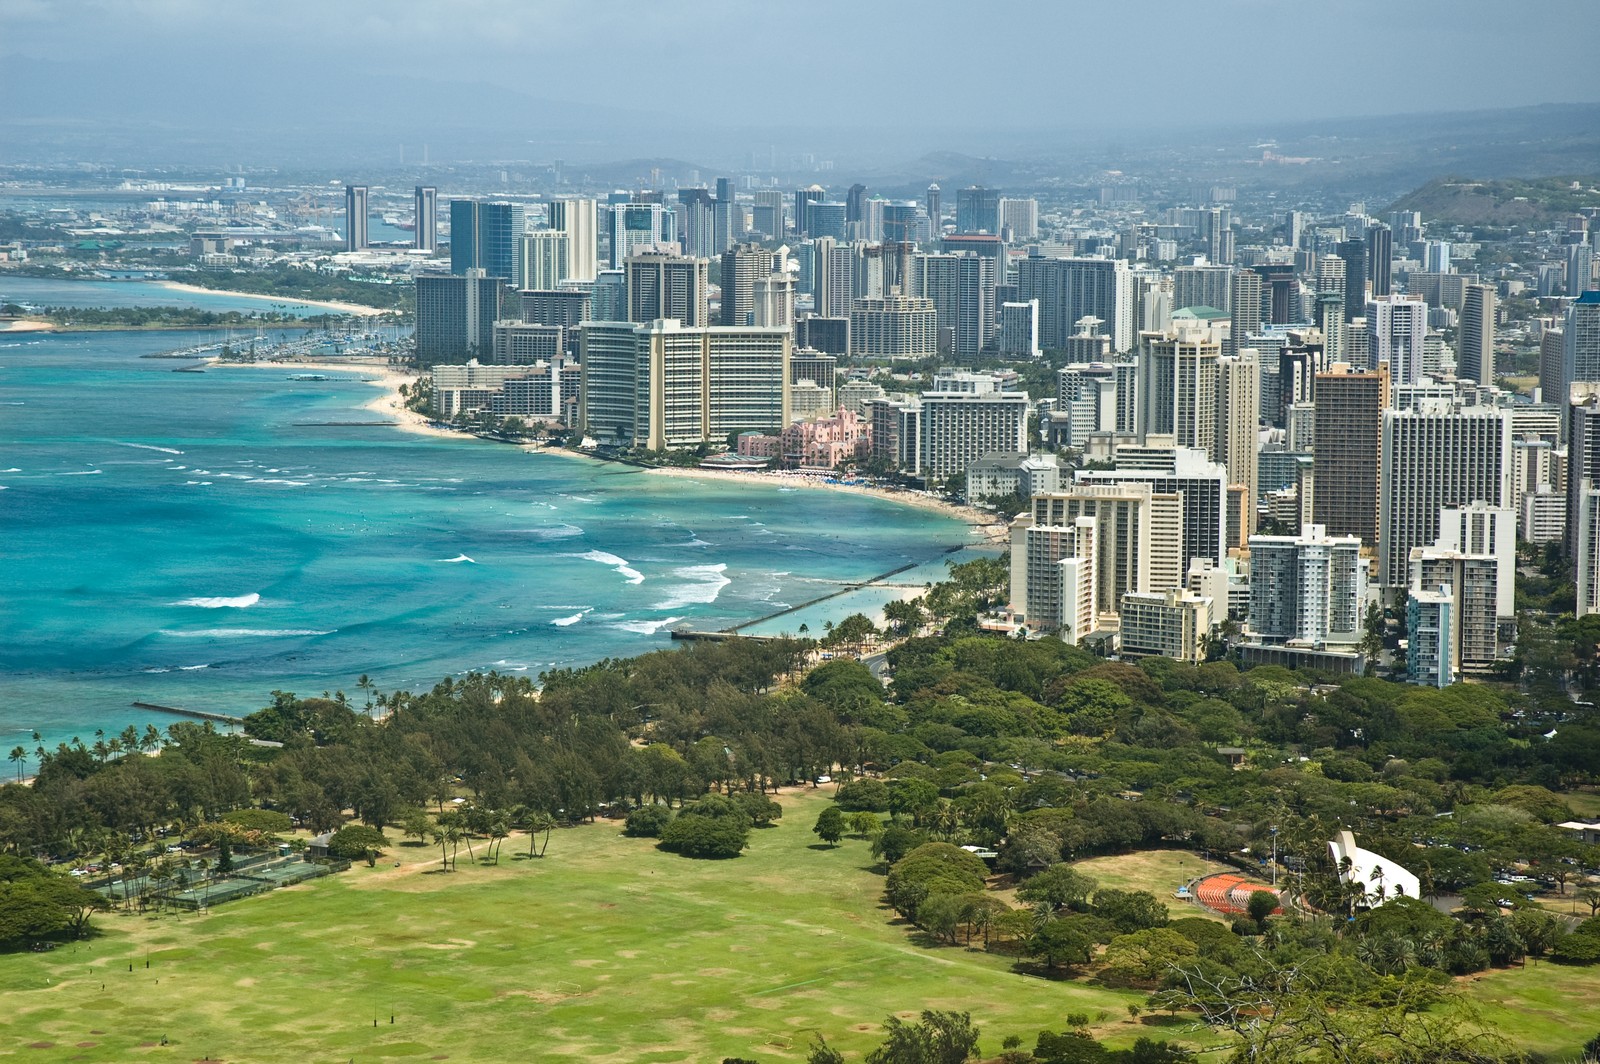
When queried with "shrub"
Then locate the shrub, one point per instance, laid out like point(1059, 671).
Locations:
point(761, 810)
point(265, 820)
point(647, 821)
point(352, 842)
point(704, 836)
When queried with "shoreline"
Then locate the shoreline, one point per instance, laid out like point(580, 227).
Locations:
point(987, 529)
point(356, 309)
point(992, 527)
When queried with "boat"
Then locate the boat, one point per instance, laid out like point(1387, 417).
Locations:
point(309, 377)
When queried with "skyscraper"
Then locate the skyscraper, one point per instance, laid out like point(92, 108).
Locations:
point(1435, 455)
point(1244, 307)
point(456, 316)
point(484, 236)
point(1380, 257)
point(577, 219)
point(1581, 338)
point(894, 326)
point(541, 259)
point(697, 222)
point(1580, 269)
point(355, 217)
point(664, 285)
point(663, 384)
point(1349, 413)
point(1354, 254)
point(1206, 286)
point(1236, 437)
point(1019, 219)
point(1308, 587)
point(1475, 354)
point(1396, 328)
point(934, 207)
point(1069, 289)
point(855, 203)
point(1178, 385)
point(978, 210)
point(636, 226)
point(803, 199)
point(425, 206)
point(742, 266)
point(959, 428)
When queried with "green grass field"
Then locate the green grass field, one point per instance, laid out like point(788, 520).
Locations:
point(605, 950)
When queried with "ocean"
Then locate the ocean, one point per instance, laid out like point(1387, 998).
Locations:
point(203, 539)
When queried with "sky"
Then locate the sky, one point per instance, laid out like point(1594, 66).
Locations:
point(811, 68)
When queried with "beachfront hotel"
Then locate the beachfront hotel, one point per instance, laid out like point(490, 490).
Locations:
point(662, 384)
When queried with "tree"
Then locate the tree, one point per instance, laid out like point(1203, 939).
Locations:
point(1144, 957)
point(1129, 910)
point(1058, 887)
point(1262, 904)
point(830, 825)
point(937, 1038)
point(647, 821)
point(18, 756)
point(1060, 942)
point(352, 842)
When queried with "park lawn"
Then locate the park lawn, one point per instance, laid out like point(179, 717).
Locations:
point(1161, 872)
point(1541, 1007)
point(605, 950)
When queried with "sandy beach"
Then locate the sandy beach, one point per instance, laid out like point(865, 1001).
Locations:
point(342, 308)
point(992, 527)
point(26, 326)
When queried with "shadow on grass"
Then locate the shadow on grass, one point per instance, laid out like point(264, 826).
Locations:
point(821, 846)
point(1059, 974)
point(1165, 1019)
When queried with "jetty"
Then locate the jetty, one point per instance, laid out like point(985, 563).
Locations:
point(198, 714)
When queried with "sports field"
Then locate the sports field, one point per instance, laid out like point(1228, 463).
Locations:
point(604, 950)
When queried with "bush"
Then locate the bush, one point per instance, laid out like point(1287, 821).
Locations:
point(863, 796)
point(932, 868)
point(265, 820)
point(704, 836)
point(647, 821)
point(761, 810)
point(352, 842)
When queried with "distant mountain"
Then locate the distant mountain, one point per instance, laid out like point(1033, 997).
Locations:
point(1542, 203)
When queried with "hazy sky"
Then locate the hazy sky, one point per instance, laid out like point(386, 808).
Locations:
point(952, 66)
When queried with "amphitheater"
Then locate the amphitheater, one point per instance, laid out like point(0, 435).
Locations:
point(1227, 893)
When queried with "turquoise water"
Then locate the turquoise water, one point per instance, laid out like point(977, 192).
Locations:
point(202, 539)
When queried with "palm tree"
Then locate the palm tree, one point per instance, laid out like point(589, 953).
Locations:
point(18, 756)
point(151, 739)
point(366, 684)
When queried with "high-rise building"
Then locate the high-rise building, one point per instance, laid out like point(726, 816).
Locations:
point(1237, 437)
point(1397, 327)
point(855, 200)
point(697, 222)
point(1581, 336)
point(961, 288)
point(456, 316)
point(1308, 588)
point(1178, 385)
point(1552, 367)
point(826, 218)
point(1380, 258)
point(541, 259)
point(1172, 624)
point(768, 212)
point(522, 343)
point(958, 428)
point(355, 217)
point(742, 265)
point(1348, 420)
point(1585, 539)
point(978, 210)
point(934, 207)
point(1053, 576)
point(894, 327)
point(484, 236)
point(577, 219)
point(1070, 289)
point(1583, 451)
point(1435, 455)
point(1136, 526)
point(1244, 308)
point(1019, 220)
point(1474, 560)
point(608, 296)
point(1475, 353)
point(1017, 329)
point(1354, 255)
point(1189, 472)
point(425, 208)
point(803, 199)
point(566, 307)
point(662, 384)
point(636, 226)
point(1207, 286)
point(772, 301)
point(1580, 269)
point(664, 285)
